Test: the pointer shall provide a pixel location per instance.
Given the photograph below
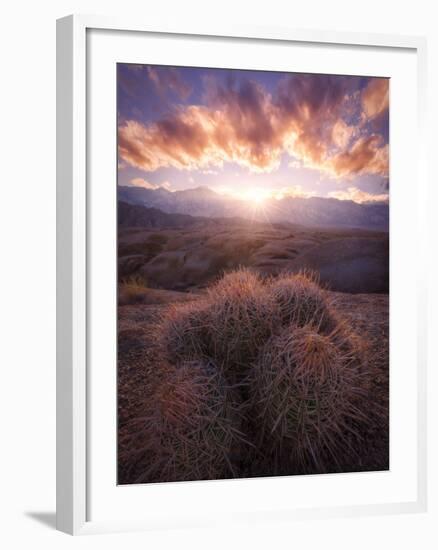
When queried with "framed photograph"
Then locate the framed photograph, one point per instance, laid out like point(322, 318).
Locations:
point(241, 295)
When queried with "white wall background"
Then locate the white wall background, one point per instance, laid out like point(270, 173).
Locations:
point(27, 287)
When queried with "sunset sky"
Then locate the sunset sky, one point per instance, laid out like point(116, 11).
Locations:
point(254, 133)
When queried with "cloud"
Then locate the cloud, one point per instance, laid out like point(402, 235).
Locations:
point(367, 156)
point(357, 195)
point(245, 124)
point(197, 138)
point(168, 78)
point(295, 191)
point(375, 97)
point(295, 164)
point(141, 182)
point(342, 133)
point(310, 106)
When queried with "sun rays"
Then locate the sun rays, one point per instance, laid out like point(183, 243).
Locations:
point(256, 195)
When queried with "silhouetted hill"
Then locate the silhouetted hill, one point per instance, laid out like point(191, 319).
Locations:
point(136, 215)
point(132, 215)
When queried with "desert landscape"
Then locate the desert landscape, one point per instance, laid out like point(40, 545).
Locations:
point(252, 273)
point(180, 251)
point(170, 267)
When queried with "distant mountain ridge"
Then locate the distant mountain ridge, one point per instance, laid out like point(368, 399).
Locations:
point(313, 211)
point(136, 215)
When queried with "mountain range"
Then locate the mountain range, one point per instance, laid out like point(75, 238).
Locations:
point(135, 215)
point(203, 202)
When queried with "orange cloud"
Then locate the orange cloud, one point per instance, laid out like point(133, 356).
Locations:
point(248, 126)
point(196, 137)
point(356, 195)
point(295, 191)
point(342, 133)
point(366, 156)
point(375, 97)
point(140, 182)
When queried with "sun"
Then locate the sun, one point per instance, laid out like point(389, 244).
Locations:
point(257, 196)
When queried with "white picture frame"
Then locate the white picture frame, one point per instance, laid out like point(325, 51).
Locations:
point(73, 223)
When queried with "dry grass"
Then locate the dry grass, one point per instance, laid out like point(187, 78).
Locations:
point(189, 429)
point(306, 391)
point(132, 290)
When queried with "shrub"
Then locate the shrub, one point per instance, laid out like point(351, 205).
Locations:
point(132, 290)
point(305, 390)
point(301, 301)
point(189, 429)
